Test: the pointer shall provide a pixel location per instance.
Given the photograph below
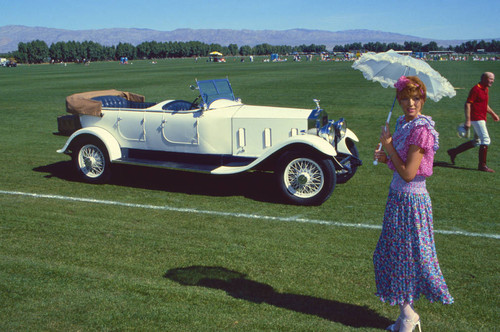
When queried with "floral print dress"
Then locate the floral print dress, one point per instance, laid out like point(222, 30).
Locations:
point(405, 260)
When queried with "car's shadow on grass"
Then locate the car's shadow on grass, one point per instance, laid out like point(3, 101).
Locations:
point(258, 186)
point(238, 286)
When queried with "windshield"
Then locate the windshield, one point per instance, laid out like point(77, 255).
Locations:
point(212, 90)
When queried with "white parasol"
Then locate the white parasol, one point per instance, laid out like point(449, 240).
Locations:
point(387, 67)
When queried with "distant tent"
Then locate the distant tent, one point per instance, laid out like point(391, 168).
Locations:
point(216, 57)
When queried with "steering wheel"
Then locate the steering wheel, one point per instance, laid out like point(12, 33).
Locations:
point(194, 104)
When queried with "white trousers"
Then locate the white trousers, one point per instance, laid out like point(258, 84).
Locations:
point(481, 135)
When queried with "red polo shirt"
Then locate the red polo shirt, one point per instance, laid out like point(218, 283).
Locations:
point(478, 98)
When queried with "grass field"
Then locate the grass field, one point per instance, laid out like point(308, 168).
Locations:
point(170, 251)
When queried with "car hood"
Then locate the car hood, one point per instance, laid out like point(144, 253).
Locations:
point(270, 112)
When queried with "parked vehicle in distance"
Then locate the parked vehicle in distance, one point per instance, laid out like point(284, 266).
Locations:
point(8, 63)
point(216, 134)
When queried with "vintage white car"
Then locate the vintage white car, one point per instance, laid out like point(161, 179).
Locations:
point(215, 134)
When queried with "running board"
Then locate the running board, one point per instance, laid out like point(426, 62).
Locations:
point(181, 166)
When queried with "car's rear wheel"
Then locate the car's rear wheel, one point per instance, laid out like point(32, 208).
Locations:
point(304, 178)
point(91, 160)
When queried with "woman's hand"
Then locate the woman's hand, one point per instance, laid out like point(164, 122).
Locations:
point(386, 142)
point(380, 155)
point(386, 137)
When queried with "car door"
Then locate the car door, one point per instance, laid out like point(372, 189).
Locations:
point(174, 131)
point(131, 126)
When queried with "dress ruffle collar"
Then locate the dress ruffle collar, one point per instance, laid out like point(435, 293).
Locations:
point(403, 128)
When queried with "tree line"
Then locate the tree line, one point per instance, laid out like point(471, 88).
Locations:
point(467, 47)
point(38, 51)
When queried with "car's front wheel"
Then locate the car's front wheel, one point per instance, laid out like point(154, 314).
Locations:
point(305, 179)
point(91, 160)
point(349, 163)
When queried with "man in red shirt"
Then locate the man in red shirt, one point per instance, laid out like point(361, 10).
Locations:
point(476, 109)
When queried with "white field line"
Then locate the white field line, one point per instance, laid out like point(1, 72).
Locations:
point(229, 214)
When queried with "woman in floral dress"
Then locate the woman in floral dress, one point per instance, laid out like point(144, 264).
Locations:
point(405, 259)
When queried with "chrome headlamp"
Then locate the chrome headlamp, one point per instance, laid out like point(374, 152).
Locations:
point(340, 128)
point(327, 132)
point(333, 130)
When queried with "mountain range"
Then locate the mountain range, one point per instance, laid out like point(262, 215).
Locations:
point(11, 35)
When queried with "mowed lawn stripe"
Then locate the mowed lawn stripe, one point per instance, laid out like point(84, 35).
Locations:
point(230, 214)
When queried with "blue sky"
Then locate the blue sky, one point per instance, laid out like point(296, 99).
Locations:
point(435, 19)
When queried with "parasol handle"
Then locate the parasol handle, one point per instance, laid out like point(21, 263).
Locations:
point(375, 162)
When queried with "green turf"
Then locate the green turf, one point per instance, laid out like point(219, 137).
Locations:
point(73, 266)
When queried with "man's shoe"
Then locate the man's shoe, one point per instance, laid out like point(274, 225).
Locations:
point(484, 168)
point(483, 152)
point(459, 149)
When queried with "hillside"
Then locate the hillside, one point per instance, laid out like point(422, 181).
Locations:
point(11, 35)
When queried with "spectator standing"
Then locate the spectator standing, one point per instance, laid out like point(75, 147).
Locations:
point(476, 110)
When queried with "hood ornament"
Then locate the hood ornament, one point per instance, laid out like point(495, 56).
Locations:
point(317, 103)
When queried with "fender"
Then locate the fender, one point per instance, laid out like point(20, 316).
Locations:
point(313, 141)
point(341, 146)
point(109, 141)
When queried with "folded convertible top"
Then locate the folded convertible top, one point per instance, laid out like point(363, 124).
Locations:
point(82, 103)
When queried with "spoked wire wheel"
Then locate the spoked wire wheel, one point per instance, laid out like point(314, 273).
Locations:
point(303, 178)
point(91, 161)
